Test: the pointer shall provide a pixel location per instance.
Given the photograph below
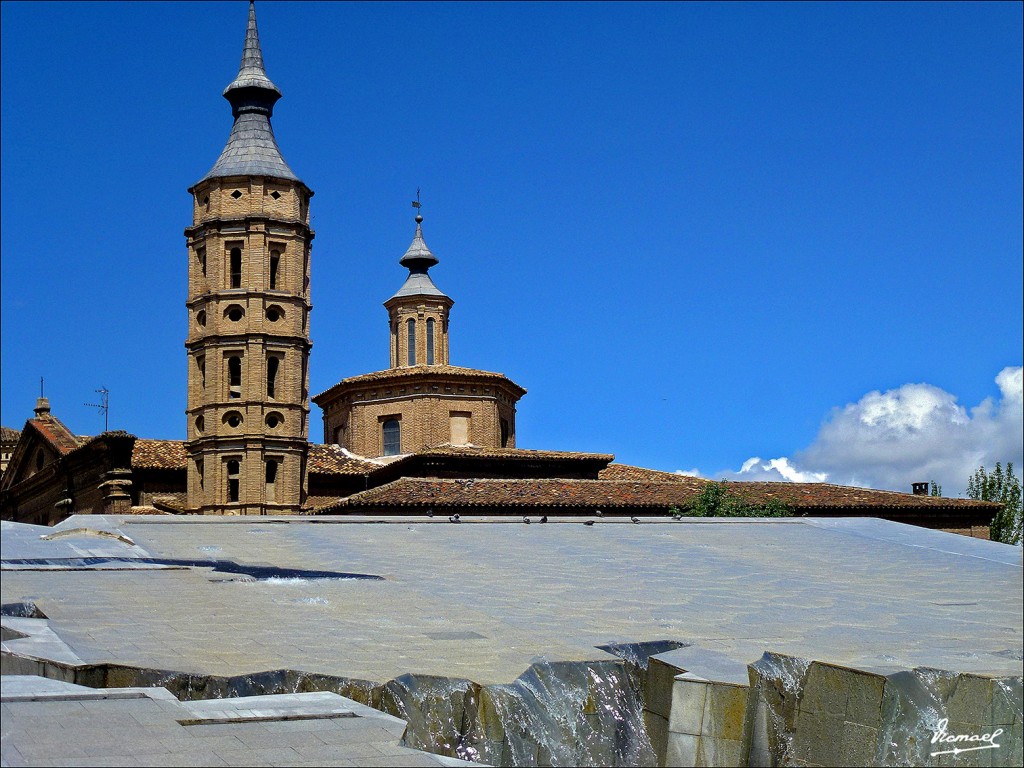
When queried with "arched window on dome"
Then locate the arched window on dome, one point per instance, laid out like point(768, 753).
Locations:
point(411, 325)
point(430, 341)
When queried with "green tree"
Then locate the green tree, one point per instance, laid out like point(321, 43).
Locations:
point(936, 489)
point(715, 500)
point(1004, 487)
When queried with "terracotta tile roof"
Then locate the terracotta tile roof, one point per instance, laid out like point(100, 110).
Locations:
point(586, 494)
point(54, 431)
point(827, 495)
point(628, 472)
point(422, 371)
point(9, 435)
point(425, 492)
point(513, 454)
point(331, 460)
point(159, 454)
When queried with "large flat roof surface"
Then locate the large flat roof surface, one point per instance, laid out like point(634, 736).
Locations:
point(485, 599)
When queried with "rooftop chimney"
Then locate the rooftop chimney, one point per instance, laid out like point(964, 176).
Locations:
point(42, 407)
point(920, 489)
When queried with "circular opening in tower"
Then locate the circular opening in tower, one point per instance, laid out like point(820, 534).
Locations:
point(232, 418)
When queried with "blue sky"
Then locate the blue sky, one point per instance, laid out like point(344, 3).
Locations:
point(696, 233)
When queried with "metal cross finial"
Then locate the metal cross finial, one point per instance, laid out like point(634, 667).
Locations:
point(104, 406)
point(41, 387)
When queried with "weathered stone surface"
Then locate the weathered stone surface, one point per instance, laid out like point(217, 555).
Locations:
point(657, 731)
point(688, 699)
point(682, 749)
point(725, 711)
point(658, 686)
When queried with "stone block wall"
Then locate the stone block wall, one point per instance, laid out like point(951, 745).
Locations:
point(810, 713)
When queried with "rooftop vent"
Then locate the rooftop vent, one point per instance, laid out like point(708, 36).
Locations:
point(920, 489)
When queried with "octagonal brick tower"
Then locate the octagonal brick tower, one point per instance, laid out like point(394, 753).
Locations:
point(248, 306)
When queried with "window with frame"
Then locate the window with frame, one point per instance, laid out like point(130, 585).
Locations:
point(275, 267)
point(430, 341)
point(235, 258)
point(271, 479)
point(392, 434)
point(273, 364)
point(233, 479)
point(234, 378)
point(411, 327)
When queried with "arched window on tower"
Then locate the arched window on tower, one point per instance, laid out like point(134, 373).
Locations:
point(201, 367)
point(411, 325)
point(233, 477)
point(392, 431)
point(236, 267)
point(273, 363)
point(430, 341)
point(234, 378)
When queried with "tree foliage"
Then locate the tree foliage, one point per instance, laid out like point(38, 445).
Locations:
point(1004, 487)
point(715, 500)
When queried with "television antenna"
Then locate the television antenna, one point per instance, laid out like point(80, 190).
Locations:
point(104, 406)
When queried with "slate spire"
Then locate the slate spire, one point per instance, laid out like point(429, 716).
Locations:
point(250, 72)
point(418, 256)
point(418, 259)
point(251, 149)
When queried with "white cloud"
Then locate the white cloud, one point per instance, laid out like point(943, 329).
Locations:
point(916, 432)
point(688, 472)
point(776, 470)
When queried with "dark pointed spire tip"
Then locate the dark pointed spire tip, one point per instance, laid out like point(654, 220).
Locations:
point(251, 73)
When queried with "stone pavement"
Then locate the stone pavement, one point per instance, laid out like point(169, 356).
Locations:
point(485, 600)
point(460, 619)
point(46, 722)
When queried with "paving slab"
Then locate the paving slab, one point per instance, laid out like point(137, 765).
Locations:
point(37, 731)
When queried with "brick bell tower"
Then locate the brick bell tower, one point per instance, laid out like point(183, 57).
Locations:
point(248, 308)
